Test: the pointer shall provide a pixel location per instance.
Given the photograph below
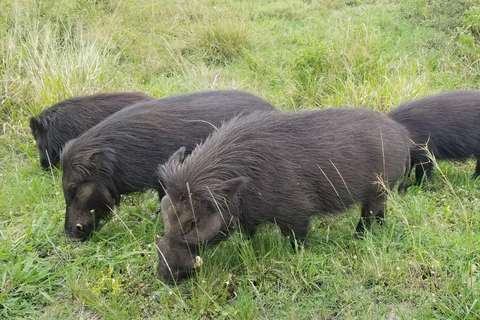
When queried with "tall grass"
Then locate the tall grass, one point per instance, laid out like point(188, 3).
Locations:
point(423, 263)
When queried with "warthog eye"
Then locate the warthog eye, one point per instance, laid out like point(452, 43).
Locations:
point(73, 190)
point(191, 226)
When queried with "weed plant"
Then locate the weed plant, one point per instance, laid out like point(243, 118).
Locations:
point(423, 263)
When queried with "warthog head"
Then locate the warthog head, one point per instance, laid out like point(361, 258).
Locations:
point(191, 220)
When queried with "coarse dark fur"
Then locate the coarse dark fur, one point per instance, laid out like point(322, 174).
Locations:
point(277, 168)
point(121, 154)
point(68, 119)
point(445, 124)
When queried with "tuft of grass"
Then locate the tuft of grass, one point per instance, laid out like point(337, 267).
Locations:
point(443, 15)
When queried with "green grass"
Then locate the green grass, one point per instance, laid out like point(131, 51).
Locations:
point(424, 263)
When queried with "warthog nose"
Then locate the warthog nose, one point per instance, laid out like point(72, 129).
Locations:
point(198, 262)
point(79, 227)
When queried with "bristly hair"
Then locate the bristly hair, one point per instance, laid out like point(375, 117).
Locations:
point(68, 119)
point(281, 154)
point(90, 164)
point(218, 159)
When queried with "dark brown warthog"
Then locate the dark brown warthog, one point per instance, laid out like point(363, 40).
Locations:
point(277, 168)
point(447, 124)
point(70, 118)
point(121, 154)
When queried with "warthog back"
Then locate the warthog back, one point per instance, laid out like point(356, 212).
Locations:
point(70, 118)
point(445, 124)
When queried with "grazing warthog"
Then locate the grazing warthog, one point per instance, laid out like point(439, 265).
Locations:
point(277, 168)
point(68, 119)
point(121, 154)
point(445, 124)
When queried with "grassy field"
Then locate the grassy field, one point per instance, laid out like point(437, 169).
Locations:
point(423, 264)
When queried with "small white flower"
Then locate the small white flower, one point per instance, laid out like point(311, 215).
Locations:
point(227, 282)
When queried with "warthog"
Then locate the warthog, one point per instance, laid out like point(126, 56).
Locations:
point(444, 125)
point(277, 168)
point(68, 119)
point(120, 155)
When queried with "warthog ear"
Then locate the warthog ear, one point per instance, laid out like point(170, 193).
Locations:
point(178, 157)
point(231, 187)
point(35, 125)
point(95, 158)
point(100, 159)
